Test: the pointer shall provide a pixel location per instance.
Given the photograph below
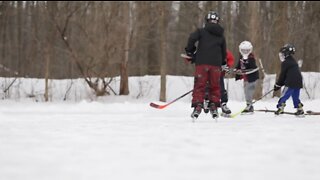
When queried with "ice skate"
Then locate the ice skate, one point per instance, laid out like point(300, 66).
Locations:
point(300, 112)
point(280, 109)
point(196, 112)
point(226, 112)
point(213, 111)
point(248, 110)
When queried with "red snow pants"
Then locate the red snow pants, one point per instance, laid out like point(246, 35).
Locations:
point(206, 74)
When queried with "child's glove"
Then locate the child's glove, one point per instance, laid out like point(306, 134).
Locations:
point(188, 59)
point(238, 71)
point(225, 68)
point(192, 57)
point(276, 87)
point(190, 54)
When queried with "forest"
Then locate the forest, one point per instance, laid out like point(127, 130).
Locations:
point(98, 41)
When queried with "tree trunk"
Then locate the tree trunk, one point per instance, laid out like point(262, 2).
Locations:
point(280, 35)
point(163, 60)
point(124, 80)
point(47, 58)
point(255, 39)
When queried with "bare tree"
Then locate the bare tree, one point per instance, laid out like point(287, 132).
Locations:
point(163, 11)
point(256, 37)
point(124, 80)
point(279, 34)
point(309, 29)
point(93, 59)
point(187, 20)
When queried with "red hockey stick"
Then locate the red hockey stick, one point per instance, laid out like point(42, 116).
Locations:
point(165, 105)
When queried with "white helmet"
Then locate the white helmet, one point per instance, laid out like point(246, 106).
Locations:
point(245, 48)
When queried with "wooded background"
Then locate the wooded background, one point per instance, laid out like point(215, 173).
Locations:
point(101, 40)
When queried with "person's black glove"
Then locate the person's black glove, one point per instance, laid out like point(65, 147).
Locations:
point(187, 58)
point(192, 57)
point(190, 54)
point(276, 87)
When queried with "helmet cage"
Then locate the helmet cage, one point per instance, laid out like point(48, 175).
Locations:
point(245, 48)
point(212, 17)
point(288, 50)
point(245, 51)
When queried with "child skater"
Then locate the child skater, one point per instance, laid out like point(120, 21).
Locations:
point(290, 77)
point(210, 46)
point(247, 62)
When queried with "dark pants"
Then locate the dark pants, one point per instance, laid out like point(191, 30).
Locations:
point(206, 74)
point(223, 91)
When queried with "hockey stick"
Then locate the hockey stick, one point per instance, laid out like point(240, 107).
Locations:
point(234, 115)
point(309, 112)
point(185, 56)
point(242, 72)
point(231, 70)
point(165, 105)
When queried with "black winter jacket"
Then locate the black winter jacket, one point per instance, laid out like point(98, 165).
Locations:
point(249, 63)
point(211, 48)
point(290, 74)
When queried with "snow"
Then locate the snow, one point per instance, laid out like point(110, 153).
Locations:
point(122, 137)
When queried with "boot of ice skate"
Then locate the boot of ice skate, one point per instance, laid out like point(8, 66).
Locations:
point(280, 109)
point(213, 110)
point(196, 111)
point(300, 111)
point(248, 110)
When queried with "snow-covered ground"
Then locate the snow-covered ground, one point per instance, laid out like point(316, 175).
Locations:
point(121, 138)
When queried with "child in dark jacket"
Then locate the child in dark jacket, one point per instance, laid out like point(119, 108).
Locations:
point(210, 56)
point(290, 77)
point(247, 62)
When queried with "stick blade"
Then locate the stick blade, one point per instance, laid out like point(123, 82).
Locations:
point(157, 106)
point(185, 56)
point(312, 112)
point(236, 114)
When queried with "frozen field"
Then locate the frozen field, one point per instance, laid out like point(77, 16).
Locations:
point(130, 140)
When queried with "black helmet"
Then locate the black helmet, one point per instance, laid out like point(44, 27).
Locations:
point(287, 50)
point(212, 16)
